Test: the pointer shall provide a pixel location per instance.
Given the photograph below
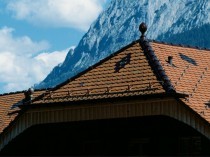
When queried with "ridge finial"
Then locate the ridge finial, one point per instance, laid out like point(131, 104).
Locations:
point(143, 29)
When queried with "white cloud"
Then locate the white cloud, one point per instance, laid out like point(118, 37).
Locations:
point(52, 59)
point(22, 45)
point(77, 14)
point(20, 67)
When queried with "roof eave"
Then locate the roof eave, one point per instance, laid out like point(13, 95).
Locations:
point(139, 97)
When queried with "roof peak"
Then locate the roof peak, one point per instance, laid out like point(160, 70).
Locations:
point(154, 62)
point(179, 45)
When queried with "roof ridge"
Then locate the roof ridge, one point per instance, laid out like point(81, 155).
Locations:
point(156, 65)
point(10, 93)
point(18, 92)
point(179, 45)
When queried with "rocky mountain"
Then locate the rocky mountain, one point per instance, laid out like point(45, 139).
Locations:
point(177, 21)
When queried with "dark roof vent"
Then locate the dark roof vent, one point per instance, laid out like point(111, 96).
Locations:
point(143, 29)
point(207, 105)
point(28, 95)
point(170, 60)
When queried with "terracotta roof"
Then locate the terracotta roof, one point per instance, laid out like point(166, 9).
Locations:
point(139, 69)
point(125, 73)
point(6, 102)
point(7, 111)
point(190, 73)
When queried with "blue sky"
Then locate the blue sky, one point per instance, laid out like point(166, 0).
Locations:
point(35, 36)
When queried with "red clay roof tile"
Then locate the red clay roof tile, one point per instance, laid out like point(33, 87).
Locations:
point(6, 103)
point(190, 74)
point(133, 77)
point(128, 73)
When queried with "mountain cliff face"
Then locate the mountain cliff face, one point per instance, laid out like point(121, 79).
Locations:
point(183, 21)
